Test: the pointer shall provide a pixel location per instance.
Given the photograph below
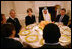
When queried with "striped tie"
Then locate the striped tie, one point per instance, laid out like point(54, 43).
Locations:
point(60, 18)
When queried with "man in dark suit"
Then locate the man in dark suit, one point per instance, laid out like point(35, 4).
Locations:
point(14, 21)
point(62, 17)
point(7, 35)
point(51, 35)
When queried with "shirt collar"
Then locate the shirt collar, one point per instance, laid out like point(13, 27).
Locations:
point(12, 18)
point(52, 43)
point(63, 15)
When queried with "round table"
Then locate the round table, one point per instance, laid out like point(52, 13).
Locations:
point(36, 30)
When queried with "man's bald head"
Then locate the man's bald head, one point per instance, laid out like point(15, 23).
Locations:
point(12, 13)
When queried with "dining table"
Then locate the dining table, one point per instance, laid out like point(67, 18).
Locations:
point(33, 35)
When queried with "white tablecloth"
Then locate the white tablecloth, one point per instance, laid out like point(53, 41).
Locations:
point(40, 35)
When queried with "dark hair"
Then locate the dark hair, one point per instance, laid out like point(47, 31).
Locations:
point(29, 9)
point(63, 9)
point(6, 30)
point(51, 33)
point(2, 17)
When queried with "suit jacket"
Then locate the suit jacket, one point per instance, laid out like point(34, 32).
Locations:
point(30, 20)
point(64, 20)
point(16, 24)
point(52, 46)
point(10, 43)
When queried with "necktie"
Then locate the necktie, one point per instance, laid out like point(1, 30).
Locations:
point(15, 19)
point(60, 18)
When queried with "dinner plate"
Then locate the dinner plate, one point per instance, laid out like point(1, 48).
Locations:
point(67, 32)
point(37, 30)
point(31, 38)
point(29, 27)
point(24, 32)
point(65, 38)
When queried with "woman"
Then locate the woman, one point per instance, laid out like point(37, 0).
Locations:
point(30, 19)
point(3, 19)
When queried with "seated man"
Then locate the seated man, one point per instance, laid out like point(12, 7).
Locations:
point(3, 19)
point(12, 19)
point(7, 35)
point(45, 15)
point(51, 35)
point(63, 17)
